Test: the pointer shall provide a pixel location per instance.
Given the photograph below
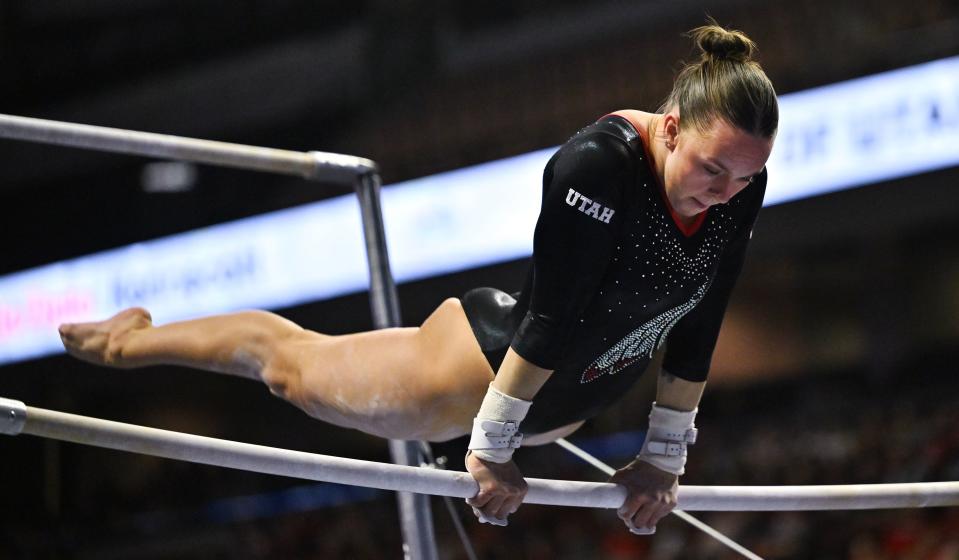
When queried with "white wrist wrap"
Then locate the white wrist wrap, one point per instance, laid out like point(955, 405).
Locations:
point(670, 432)
point(496, 426)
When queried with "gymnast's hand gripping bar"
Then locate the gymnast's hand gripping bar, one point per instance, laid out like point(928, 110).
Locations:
point(320, 166)
point(16, 418)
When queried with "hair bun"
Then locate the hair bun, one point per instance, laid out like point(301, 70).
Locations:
point(717, 43)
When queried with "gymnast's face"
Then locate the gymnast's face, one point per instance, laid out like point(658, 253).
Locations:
point(703, 169)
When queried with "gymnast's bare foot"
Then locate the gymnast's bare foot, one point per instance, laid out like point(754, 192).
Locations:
point(102, 342)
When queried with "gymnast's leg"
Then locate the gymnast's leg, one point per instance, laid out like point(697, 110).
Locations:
point(236, 344)
point(412, 383)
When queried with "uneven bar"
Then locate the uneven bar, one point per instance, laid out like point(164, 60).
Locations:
point(257, 458)
point(311, 165)
point(325, 167)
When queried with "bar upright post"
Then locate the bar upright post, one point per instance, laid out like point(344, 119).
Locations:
point(419, 542)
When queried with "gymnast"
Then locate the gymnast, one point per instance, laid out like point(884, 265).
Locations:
point(643, 228)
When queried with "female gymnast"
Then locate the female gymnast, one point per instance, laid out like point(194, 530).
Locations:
point(643, 228)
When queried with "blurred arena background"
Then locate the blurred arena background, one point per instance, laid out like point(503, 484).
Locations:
point(836, 363)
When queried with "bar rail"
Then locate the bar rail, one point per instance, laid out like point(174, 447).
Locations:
point(318, 166)
point(15, 417)
point(415, 514)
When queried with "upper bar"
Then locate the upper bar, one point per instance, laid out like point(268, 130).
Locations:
point(284, 462)
point(319, 166)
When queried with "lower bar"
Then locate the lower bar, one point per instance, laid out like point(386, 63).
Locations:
point(297, 464)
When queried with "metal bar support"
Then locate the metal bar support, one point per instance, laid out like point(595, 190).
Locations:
point(416, 517)
point(321, 166)
point(310, 466)
point(318, 166)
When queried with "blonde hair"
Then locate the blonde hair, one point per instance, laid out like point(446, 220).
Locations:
point(726, 83)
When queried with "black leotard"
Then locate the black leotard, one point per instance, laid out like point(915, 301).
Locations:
point(613, 277)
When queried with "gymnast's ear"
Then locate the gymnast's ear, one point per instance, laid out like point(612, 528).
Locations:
point(671, 129)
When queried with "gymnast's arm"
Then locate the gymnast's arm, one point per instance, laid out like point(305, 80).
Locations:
point(502, 487)
point(678, 393)
point(652, 491)
point(572, 248)
point(519, 377)
point(681, 382)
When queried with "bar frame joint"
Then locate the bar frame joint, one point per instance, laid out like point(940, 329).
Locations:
point(339, 168)
point(13, 416)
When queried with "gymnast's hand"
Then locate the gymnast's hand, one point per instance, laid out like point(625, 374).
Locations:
point(651, 495)
point(501, 489)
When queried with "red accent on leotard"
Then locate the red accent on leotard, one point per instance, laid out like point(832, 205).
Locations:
point(693, 227)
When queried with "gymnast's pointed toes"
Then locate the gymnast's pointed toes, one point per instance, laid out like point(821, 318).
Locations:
point(65, 330)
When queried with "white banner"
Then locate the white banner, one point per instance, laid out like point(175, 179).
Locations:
point(280, 259)
point(838, 136)
point(866, 130)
